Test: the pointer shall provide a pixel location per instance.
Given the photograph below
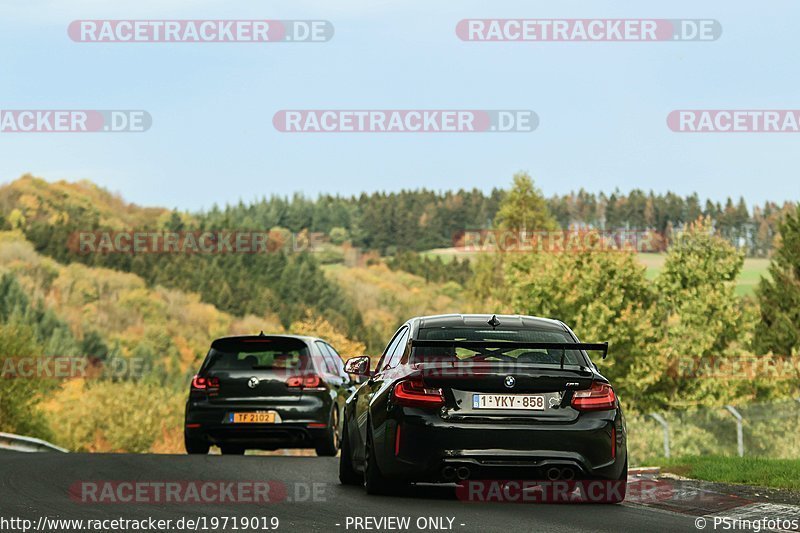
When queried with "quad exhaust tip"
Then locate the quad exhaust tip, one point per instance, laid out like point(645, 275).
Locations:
point(554, 473)
point(451, 473)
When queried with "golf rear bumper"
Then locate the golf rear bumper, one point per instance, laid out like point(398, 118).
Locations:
point(297, 425)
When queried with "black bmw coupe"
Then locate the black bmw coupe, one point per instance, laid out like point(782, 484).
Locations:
point(471, 397)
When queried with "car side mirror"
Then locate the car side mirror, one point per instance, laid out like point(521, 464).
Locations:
point(358, 366)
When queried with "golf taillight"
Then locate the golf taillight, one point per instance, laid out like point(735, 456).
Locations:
point(205, 384)
point(413, 393)
point(303, 382)
point(599, 397)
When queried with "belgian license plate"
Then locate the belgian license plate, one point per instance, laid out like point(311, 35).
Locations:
point(526, 402)
point(252, 418)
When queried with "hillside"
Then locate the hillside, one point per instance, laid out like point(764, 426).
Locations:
point(171, 327)
point(386, 298)
point(37, 200)
point(283, 282)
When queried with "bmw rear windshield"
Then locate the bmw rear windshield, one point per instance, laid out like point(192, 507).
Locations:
point(268, 353)
point(536, 356)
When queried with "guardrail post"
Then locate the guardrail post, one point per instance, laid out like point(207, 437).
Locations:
point(739, 435)
point(661, 420)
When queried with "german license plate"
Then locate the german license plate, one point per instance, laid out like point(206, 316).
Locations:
point(525, 402)
point(252, 418)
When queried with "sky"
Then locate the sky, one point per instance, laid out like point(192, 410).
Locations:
point(602, 107)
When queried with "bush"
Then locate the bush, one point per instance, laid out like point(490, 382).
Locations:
point(339, 235)
point(19, 397)
point(113, 417)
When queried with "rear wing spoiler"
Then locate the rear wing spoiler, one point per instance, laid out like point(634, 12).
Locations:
point(586, 346)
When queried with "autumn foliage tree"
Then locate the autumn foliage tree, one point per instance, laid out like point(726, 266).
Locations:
point(690, 311)
point(524, 208)
point(697, 292)
point(317, 326)
point(704, 320)
point(603, 296)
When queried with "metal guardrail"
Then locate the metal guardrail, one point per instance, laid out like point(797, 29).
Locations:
point(18, 443)
point(748, 418)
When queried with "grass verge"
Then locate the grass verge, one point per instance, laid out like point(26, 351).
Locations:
point(776, 473)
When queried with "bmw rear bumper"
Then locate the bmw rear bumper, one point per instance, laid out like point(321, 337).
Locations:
point(430, 448)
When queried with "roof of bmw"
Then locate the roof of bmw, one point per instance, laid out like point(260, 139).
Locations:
point(482, 320)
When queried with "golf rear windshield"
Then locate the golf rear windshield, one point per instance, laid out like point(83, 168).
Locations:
point(258, 354)
point(538, 356)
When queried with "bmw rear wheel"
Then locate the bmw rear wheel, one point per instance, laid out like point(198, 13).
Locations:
point(374, 480)
point(619, 496)
point(347, 474)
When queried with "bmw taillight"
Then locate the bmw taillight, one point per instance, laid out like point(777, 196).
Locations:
point(413, 393)
point(599, 397)
point(205, 384)
point(303, 382)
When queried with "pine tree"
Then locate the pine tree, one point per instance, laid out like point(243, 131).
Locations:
point(779, 295)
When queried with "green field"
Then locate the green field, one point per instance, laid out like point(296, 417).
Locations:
point(777, 473)
point(752, 271)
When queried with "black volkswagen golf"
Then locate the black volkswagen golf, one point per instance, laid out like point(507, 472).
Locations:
point(267, 392)
point(457, 397)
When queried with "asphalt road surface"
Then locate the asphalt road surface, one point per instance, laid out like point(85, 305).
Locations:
point(93, 487)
